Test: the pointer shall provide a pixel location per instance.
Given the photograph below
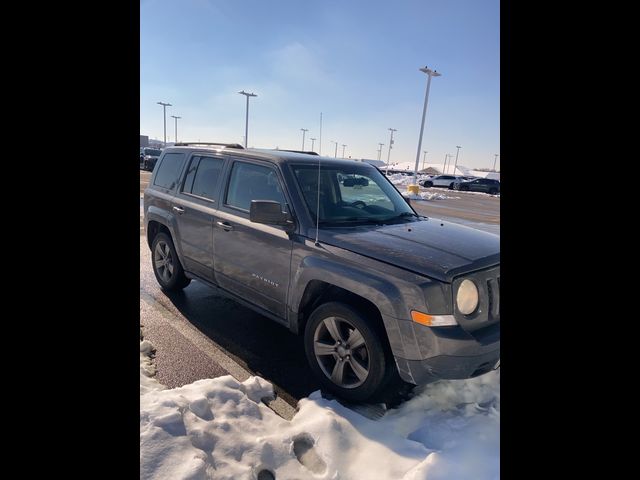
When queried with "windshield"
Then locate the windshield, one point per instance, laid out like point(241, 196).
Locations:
point(350, 194)
point(152, 152)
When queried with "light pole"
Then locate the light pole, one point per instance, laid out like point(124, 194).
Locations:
point(446, 157)
point(343, 147)
point(380, 150)
point(304, 130)
point(313, 140)
point(173, 116)
point(164, 109)
point(246, 123)
point(336, 154)
point(424, 158)
point(455, 165)
point(494, 161)
point(430, 73)
point(390, 146)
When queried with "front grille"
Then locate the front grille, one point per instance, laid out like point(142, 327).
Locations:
point(493, 290)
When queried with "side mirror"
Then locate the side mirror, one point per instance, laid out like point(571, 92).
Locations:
point(269, 213)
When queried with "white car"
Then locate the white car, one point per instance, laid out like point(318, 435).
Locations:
point(442, 181)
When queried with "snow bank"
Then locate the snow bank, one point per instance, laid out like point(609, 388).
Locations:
point(219, 428)
point(399, 179)
point(428, 196)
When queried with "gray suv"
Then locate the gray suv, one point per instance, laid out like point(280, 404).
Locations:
point(381, 295)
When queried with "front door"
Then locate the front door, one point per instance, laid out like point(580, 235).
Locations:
point(194, 209)
point(252, 260)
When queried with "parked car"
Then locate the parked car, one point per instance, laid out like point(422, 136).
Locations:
point(486, 185)
point(441, 181)
point(149, 157)
point(381, 296)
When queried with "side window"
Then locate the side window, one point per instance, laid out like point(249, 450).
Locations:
point(252, 182)
point(169, 170)
point(203, 177)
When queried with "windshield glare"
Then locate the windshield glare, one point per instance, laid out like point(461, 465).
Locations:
point(350, 194)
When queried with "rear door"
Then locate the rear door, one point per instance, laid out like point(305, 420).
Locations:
point(195, 206)
point(252, 260)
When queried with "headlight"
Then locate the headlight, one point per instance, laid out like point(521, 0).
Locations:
point(467, 297)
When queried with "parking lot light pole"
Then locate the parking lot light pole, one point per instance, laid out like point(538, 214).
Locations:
point(380, 150)
point(494, 161)
point(336, 154)
point(246, 123)
point(164, 110)
point(304, 130)
point(424, 158)
point(430, 73)
point(176, 118)
point(343, 147)
point(313, 140)
point(390, 146)
point(446, 158)
point(455, 165)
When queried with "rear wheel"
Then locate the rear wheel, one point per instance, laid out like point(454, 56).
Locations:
point(347, 353)
point(166, 265)
point(493, 191)
point(427, 184)
point(451, 186)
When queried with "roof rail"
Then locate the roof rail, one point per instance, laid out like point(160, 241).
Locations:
point(295, 151)
point(228, 145)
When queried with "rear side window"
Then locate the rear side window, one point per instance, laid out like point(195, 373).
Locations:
point(203, 177)
point(169, 170)
point(253, 182)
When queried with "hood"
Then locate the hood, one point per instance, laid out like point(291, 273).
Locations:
point(429, 247)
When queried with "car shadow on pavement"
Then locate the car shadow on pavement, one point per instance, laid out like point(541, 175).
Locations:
point(255, 342)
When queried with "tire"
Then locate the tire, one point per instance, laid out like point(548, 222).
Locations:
point(464, 188)
point(451, 186)
point(374, 366)
point(493, 191)
point(169, 274)
point(428, 184)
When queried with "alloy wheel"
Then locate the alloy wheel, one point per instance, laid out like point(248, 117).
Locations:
point(163, 261)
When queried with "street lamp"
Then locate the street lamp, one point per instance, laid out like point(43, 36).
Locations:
point(390, 146)
point(173, 116)
point(343, 147)
point(424, 158)
point(455, 165)
point(494, 161)
point(304, 130)
point(336, 154)
point(430, 73)
point(164, 110)
point(246, 123)
point(313, 140)
point(446, 157)
point(380, 150)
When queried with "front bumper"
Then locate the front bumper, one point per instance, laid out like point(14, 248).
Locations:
point(425, 354)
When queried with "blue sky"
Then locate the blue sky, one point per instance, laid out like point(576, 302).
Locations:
point(355, 61)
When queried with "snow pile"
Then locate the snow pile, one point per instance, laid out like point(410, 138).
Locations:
point(428, 196)
point(399, 179)
point(219, 428)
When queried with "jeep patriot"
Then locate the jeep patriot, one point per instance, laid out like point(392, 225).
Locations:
point(331, 250)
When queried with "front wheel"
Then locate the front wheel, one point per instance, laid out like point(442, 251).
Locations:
point(493, 191)
point(428, 184)
point(166, 265)
point(347, 353)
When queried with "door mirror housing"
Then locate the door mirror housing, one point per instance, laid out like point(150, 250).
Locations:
point(270, 213)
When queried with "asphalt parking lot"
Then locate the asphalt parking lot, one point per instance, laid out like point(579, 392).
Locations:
point(199, 334)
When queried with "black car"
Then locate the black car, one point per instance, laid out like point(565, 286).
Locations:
point(149, 157)
point(486, 185)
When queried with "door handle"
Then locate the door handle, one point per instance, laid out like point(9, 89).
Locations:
point(225, 226)
point(179, 210)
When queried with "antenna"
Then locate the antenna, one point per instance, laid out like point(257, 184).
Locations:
point(318, 205)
